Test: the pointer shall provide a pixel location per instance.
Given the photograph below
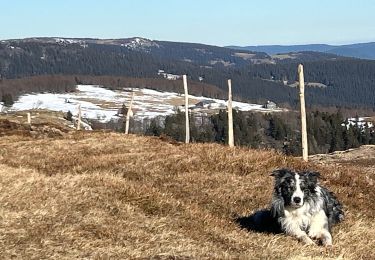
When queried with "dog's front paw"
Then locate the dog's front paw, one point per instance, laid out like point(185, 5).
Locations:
point(307, 240)
point(316, 232)
point(327, 240)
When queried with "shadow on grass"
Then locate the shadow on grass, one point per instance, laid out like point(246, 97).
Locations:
point(260, 221)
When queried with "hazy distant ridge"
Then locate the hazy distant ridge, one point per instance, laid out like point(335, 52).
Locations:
point(358, 50)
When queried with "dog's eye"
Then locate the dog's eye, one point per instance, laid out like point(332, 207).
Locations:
point(289, 181)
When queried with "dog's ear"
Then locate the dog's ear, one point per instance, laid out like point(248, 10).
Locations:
point(280, 173)
point(312, 176)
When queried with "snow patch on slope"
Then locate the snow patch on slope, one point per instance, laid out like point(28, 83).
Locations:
point(103, 104)
point(140, 44)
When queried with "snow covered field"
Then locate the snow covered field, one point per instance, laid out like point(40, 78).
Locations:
point(103, 104)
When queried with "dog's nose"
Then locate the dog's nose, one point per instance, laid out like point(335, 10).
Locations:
point(297, 199)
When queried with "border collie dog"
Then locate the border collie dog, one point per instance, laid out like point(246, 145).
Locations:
point(303, 208)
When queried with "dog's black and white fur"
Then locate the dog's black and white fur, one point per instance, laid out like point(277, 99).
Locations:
point(303, 208)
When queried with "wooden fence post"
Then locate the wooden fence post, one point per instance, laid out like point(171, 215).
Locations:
point(230, 115)
point(79, 117)
point(129, 114)
point(303, 113)
point(187, 128)
point(29, 118)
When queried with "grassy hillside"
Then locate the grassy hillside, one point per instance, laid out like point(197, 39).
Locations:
point(106, 195)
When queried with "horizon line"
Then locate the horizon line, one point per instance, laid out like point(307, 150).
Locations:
point(182, 41)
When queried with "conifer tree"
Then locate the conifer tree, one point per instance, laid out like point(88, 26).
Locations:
point(7, 100)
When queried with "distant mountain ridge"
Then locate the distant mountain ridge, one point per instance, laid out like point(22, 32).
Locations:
point(257, 76)
point(202, 54)
point(357, 50)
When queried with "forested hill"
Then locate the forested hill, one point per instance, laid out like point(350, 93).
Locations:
point(349, 83)
point(50, 55)
point(256, 76)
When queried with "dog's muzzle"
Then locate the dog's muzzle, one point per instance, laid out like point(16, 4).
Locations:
point(297, 202)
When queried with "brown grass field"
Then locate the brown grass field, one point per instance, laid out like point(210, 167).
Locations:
point(96, 195)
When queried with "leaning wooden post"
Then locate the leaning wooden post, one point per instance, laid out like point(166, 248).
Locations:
point(129, 114)
point(79, 117)
point(230, 115)
point(303, 113)
point(29, 118)
point(187, 128)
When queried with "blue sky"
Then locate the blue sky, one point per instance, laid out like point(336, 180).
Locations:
point(217, 22)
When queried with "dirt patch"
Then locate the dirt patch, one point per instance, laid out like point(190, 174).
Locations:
point(13, 128)
point(284, 56)
point(45, 124)
point(101, 103)
point(181, 101)
point(363, 157)
point(245, 56)
point(8, 128)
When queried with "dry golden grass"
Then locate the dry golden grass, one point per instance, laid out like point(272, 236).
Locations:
point(106, 195)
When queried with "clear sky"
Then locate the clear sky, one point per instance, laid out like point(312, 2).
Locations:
point(217, 22)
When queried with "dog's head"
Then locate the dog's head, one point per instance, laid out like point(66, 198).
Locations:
point(295, 187)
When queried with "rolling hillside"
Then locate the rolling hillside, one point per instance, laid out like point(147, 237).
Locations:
point(107, 195)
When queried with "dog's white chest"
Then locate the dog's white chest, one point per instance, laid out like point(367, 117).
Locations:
point(300, 217)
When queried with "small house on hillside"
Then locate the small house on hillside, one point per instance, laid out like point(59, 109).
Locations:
point(168, 76)
point(270, 105)
point(204, 103)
